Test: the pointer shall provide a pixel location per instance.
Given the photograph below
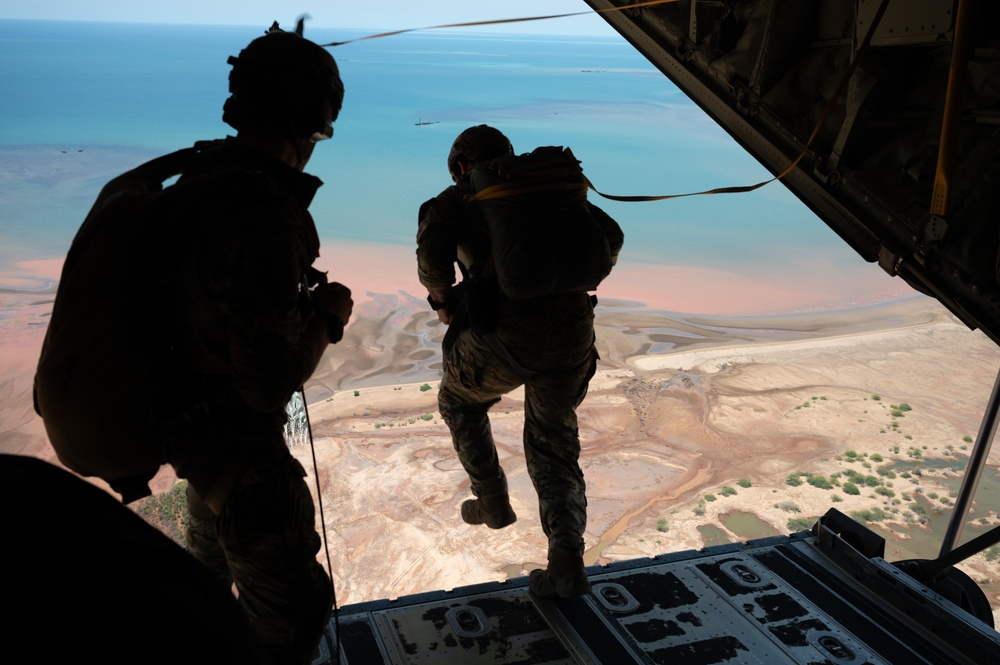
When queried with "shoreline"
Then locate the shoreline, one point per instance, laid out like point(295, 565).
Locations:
point(372, 269)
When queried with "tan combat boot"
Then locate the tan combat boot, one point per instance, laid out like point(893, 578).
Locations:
point(564, 577)
point(494, 511)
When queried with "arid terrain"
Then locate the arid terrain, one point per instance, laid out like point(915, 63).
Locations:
point(696, 430)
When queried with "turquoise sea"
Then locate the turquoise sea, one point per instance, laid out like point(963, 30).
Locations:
point(83, 101)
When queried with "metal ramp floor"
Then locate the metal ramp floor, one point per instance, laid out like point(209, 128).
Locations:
point(825, 596)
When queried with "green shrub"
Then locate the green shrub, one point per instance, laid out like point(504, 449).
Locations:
point(727, 491)
point(710, 497)
point(662, 527)
point(851, 488)
point(799, 524)
point(743, 482)
point(821, 482)
point(425, 387)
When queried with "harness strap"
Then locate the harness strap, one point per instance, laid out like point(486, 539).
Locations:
point(547, 304)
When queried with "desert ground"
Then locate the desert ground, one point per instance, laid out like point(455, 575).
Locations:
point(690, 421)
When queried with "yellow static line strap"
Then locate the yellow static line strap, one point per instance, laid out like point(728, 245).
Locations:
point(717, 190)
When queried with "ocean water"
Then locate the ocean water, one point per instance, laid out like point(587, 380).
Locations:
point(83, 101)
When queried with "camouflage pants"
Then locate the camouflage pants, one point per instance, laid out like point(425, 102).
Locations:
point(265, 541)
point(553, 357)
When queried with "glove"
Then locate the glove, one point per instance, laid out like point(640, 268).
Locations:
point(334, 302)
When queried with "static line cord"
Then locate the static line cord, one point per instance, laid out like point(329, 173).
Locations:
point(322, 523)
point(645, 3)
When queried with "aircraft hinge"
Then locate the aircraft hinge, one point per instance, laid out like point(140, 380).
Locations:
point(745, 100)
point(889, 261)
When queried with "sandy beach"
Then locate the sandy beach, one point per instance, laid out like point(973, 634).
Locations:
point(690, 432)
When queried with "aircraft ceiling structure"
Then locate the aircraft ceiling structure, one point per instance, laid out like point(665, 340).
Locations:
point(897, 131)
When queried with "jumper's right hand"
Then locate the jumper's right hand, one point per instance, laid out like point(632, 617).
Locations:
point(334, 299)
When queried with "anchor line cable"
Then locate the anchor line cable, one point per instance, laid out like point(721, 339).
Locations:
point(322, 522)
point(646, 3)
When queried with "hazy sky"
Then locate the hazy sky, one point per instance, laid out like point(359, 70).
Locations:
point(386, 14)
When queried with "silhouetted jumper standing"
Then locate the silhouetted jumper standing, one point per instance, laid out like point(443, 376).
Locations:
point(237, 324)
point(494, 345)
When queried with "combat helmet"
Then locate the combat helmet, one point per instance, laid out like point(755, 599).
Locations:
point(476, 144)
point(281, 80)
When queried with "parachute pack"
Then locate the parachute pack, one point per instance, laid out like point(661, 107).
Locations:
point(103, 364)
point(545, 241)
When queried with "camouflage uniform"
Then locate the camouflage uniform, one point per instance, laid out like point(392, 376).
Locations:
point(493, 346)
point(237, 320)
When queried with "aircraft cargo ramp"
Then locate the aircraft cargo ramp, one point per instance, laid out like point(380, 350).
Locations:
point(820, 596)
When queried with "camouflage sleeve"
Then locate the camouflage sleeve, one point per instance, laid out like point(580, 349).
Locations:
point(438, 235)
point(616, 237)
point(264, 317)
